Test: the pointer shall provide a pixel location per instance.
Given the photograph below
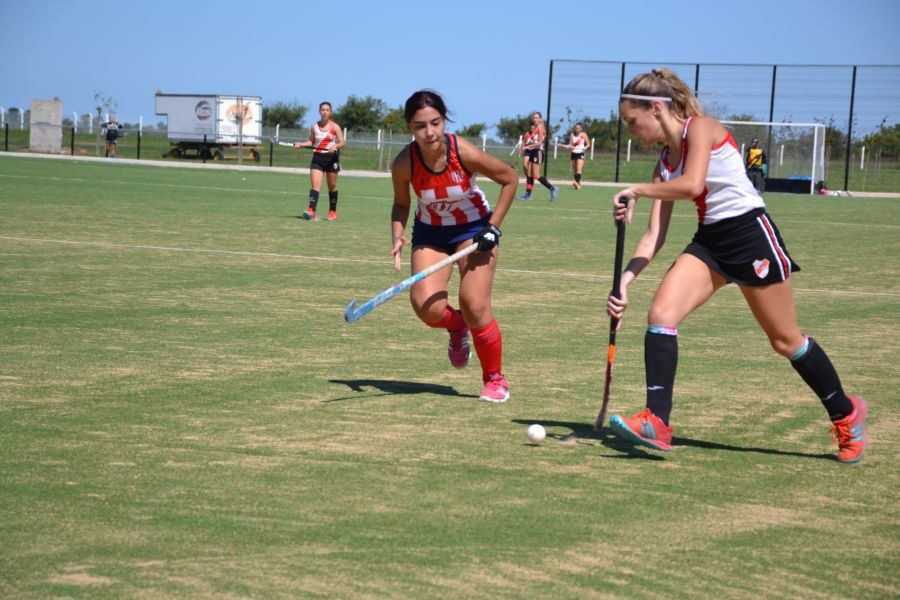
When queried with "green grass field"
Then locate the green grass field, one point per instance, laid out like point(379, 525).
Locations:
point(185, 413)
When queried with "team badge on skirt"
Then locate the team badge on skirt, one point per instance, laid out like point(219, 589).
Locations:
point(761, 267)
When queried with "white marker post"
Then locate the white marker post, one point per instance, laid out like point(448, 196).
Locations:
point(862, 159)
point(628, 152)
point(555, 146)
point(592, 148)
point(483, 142)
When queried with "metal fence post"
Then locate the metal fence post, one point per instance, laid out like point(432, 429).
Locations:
point(771, 109)
point(203, 150)
point(271, 145)
point(72, 143)
point(547, 138)
point(6, 137)
point(850, 131)
point(139, 136)
point(619, 126)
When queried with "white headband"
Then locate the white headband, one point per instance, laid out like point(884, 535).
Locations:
point(648, 98)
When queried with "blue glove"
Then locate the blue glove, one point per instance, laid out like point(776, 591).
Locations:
point(487, 238)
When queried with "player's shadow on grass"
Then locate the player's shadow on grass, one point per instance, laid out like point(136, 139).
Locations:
point(585, 431)
point(388, 387)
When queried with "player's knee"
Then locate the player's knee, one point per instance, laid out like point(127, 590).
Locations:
point(662, 315)
point(785, 345)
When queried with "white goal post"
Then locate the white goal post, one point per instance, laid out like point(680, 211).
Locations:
point(795, 151)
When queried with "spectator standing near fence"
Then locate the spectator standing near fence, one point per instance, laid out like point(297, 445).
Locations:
point(757, 166)
point(326, 138)
point(111, 131)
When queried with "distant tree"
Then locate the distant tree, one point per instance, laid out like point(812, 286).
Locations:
point(361, 114)
point(740, 117)
point(602, 132)
point(473, 130)
point(510, 128)
point(835, 139)
point(286, 114)
point(105, 103)
point(394, 120)
point(886, 140)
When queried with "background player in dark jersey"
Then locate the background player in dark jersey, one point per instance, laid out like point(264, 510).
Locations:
point(757, 166)
point(111, 131)
point(452, 213)
point(326, 138)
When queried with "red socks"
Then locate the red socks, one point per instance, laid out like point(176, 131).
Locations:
point(452, 320)
point(489, 346)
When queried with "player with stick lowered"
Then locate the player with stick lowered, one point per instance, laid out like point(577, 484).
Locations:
point(736, 242)
point(452, 213)
point(326, 138)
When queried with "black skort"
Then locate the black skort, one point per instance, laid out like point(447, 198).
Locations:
point(747, 249)
point(329, 162)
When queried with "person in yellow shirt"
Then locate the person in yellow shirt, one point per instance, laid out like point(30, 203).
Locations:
point(757, 166)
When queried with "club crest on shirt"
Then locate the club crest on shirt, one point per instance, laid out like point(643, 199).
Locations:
point(456, 177)
point(761, 267)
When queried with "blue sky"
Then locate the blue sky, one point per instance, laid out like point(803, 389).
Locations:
point(489, 59)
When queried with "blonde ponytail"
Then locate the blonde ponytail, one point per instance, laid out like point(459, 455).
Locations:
point(665, 83)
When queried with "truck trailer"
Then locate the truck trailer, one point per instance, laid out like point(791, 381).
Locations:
point(206, 125)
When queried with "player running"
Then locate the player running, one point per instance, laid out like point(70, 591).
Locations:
point(578, 143)
point(736, 241)
point(326, 138)
point(533, 157)
point(452, 213)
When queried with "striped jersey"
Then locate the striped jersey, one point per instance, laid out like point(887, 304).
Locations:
point(728, 191)
point(535, 137)
point(449, 197)
point(326, 139)
point(578, 142)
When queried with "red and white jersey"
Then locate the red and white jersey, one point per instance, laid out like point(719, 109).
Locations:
point(578, 142)
point(449, 197)
point(728, 192)
point(535, 137)
point(326, 139)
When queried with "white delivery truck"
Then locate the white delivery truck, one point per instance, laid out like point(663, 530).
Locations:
point(208, 124)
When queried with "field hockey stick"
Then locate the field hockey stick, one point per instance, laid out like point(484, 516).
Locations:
point(278, 142)
point(613, 322)
point(354, 312)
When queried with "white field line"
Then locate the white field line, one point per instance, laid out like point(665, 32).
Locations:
point(299, 193)
point(383, 262)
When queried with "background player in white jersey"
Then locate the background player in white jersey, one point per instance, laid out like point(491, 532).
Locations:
point(326, 138)
point(578, 143)
point(451, 214)
point(736, 242)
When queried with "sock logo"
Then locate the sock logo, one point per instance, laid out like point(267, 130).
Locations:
point(652, 388)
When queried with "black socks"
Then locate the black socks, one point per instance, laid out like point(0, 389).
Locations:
point(816, 369)
point(660, 362)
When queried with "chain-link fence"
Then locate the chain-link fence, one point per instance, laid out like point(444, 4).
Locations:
point(364, 150)
point(858, 105)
